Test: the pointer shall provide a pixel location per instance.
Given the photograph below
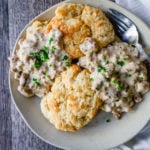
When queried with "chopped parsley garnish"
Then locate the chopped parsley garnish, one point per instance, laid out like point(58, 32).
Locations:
point(65, 58)
point(67, 64)
point(128, 75)
point(91, 79)
point(125, 58)
point(117, 100)
point(141, 78)
point(120, 63)
point(43, 56)
point(120, 87)
point(52, 49)
point(114, 81)
point(118, 84)
point(37, 64)
point(39, 57)
point(101, 68)
point(50, 65)
point(35, 81)
point(46, 75)
point(46, 48)
point(51, 40)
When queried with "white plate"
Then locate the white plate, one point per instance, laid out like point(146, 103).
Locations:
point(99, 134)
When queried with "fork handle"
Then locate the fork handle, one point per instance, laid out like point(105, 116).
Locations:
point(142, 52)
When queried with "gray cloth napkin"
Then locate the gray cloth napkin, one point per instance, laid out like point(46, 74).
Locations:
point(140, 8)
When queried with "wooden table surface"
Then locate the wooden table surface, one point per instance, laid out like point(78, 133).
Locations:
point(14, 15)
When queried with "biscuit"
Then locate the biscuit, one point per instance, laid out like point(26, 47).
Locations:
point(69, 10)
point(101, 28)
point(73, 41)
point(67, 26)
point(91, 15)
point(78, 22)
point(71, 104)
point(103, 33)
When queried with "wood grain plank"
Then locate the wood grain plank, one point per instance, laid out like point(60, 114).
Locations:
point(20, 13)
point(5, 101)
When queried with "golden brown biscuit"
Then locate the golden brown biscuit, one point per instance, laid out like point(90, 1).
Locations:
point(103, 32)
point(91, 15)
point(72, 41)
point(67, 26)
point(69, 10)
point(71, 104)
point(102, 29)
point(78, 22)
point(67, 18)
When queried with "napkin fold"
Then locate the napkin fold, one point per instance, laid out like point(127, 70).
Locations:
point(140, 8)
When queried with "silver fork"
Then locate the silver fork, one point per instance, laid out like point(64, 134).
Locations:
point(126, 30)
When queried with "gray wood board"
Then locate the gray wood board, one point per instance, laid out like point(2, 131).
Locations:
point(14, 15)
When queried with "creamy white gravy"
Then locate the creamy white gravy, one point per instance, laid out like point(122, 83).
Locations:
point(38, 60)
point(118, 74)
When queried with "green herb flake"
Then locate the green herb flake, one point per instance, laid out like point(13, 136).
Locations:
point(117, 100)
point(118, 84)
point(101, 68)
point(64, 58)
point(46, 75)
point(51, 40)
point(120, 63)
point(91, 79)
point(120, 87)
point(46, 48)
point(39, 57)
point(141, 78)
point(43, 55)
point(35, 81)
point(53, 49)
point(67, 64)
point(128, 75)
point(114, 81)
point(125, 58)
point(37, 64)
